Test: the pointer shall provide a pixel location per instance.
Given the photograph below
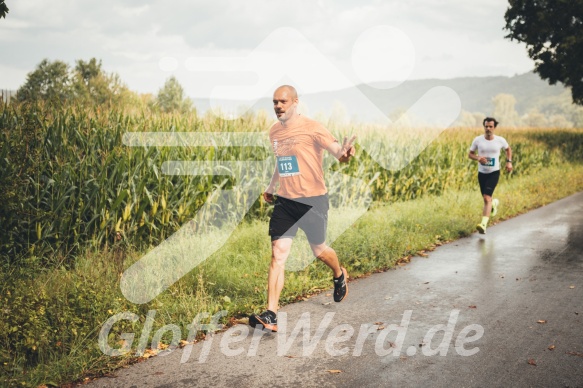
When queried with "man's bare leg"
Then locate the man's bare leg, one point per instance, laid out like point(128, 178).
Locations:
point(280, 250)
point(328, 257)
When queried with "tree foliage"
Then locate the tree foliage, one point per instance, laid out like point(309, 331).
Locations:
point(92, 84)
point(49, 81)
point(553, 33)
point(86, 83)
point(3, 9)
point(504, 110)
point(171, 98)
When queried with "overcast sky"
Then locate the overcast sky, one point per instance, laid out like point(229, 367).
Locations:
point(214, 46)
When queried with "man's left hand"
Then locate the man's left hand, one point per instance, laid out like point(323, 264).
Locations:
point(348, 149)
point(347, 155)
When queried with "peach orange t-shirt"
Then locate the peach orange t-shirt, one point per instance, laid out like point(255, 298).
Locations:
point(299, 151)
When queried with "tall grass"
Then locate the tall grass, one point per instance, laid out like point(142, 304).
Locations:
point(69, 182)
point(49, 333)
point(78, 206)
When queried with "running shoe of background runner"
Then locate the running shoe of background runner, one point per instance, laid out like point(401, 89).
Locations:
point(495, 205)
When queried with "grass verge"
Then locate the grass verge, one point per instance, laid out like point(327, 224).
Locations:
point(53, 317)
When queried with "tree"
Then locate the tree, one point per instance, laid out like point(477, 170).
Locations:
point(87, 71)
point(535, 119)
point(553, 33)
point(3, 9)
point(92, 84)
point(171, 97)
point(86, 80)
point(470, 119)
point(504, 110)
point(87, 83)
point(50, 81)
point(559, 121)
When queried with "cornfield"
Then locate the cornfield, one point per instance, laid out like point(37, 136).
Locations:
point(72, 178)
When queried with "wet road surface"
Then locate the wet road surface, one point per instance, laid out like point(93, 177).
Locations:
point(502, 309)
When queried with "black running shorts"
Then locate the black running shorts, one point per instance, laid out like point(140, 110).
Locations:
point(488, 182)
point(309, 213)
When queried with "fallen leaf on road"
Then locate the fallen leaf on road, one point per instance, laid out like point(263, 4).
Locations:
point(575, 354)
point(571, 287)
point(380, 328)
point(162, 346)
point(541, 321)
point(334, 371)
point(326, 303)
point(378, 323)
point(183, 343)
point(473, 307)
point(531, 361)
point(552, 347)
point(292, 356)
point(149, 353)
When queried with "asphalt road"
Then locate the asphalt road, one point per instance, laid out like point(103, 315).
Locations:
point(502, 309)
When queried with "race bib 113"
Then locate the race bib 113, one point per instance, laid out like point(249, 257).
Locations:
point(287, 166)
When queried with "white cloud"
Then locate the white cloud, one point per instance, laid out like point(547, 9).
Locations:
point(451, 38)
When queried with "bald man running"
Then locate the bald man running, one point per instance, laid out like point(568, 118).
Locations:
point(302, 197)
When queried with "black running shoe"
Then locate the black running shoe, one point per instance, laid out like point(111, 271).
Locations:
point(340, 287)
point(267, 319)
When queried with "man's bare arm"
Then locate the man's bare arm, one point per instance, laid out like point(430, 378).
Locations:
point(508, 157)
point(342, 152)
point(472, 155)
point(270, 190)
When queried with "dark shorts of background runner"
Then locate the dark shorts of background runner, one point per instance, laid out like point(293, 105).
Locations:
point(309, 213)
point(488, 182)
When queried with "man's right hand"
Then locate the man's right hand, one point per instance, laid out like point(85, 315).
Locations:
point(268, 197)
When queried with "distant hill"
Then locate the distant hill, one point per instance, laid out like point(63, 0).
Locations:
point(476, 94)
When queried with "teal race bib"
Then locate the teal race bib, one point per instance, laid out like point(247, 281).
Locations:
point(490, 162)
point(287, 166)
